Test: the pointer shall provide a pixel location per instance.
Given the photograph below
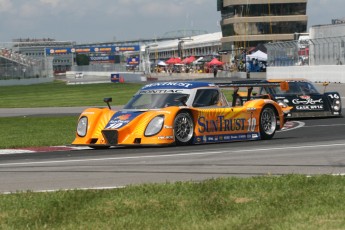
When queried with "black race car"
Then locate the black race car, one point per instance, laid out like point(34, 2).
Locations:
point(304, 99)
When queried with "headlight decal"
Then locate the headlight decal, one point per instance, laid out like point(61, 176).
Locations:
point(82, 126)
point(154, 126)
point(337, 105)
point(282, 103)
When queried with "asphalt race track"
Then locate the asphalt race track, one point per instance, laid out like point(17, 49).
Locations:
point(308, 146)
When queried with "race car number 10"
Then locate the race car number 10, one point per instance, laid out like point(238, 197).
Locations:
point(251, 124)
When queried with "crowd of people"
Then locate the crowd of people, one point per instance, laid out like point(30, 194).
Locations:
point(184, 69)
point(17, 57)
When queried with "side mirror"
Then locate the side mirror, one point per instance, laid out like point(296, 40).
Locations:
point(108, 100)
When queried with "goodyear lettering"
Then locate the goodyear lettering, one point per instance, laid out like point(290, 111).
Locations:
point(221, 124)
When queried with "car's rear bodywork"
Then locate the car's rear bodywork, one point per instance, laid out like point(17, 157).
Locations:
point(178, 113)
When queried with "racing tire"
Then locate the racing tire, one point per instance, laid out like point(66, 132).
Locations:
point(268, 123)
point(183, 128)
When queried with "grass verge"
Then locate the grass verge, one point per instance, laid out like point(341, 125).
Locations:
point(58, 94)
point(287, 202)
point(37, 131)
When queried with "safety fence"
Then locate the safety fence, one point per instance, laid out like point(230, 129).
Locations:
point(319, 51)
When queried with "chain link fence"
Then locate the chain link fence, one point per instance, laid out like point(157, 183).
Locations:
point(320, 51)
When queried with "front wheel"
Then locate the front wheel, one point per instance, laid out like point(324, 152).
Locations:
point(268, 123)
point(183, 129)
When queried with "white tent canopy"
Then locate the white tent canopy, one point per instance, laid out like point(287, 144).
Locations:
point(261, 56)
point(162, 63)
point(197, 61)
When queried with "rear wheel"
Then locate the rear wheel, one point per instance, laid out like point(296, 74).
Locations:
point(183, 128)
point(268, 123)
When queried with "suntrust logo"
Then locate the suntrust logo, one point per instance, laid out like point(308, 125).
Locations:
point(220, 124)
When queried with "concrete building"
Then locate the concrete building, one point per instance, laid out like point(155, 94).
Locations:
point(248, 23)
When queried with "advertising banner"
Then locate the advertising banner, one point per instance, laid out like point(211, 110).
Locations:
point(116, 78)
point(133, 61)
point(102, 59)
point(91, 49)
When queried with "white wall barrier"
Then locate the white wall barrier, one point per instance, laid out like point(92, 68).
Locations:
point(105, 76)
point(322, 73)
point(26, 81)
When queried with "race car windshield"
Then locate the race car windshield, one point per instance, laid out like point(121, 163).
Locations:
point(295, 88)
point(156, 101)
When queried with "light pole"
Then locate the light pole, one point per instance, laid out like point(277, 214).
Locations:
point(180, 46)
point(147, 58)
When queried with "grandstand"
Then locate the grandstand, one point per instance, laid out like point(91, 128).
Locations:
point(14, 65)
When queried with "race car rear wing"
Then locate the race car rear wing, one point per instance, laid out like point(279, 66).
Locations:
point(250, 85)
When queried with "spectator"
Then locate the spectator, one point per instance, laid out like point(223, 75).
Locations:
point(215, 71)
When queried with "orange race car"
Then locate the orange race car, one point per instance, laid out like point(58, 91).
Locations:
point(181, 113)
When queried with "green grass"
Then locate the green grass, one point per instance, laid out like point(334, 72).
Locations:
point(287, 202)
point(37, 131)
point(58, 94)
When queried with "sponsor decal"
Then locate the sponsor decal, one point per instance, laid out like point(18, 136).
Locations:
point(226, 138)
point(308, 101)
point(160, 91)
point(177, 84)
point(255, 136)
point(220, 124)
point(309, 107)
point(165, 138)
point(120, 119)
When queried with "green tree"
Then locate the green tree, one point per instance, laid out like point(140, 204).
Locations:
point(82, 59)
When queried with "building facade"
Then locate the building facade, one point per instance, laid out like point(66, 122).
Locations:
point(249, 23)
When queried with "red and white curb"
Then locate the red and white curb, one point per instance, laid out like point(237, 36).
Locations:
point(40, 149)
